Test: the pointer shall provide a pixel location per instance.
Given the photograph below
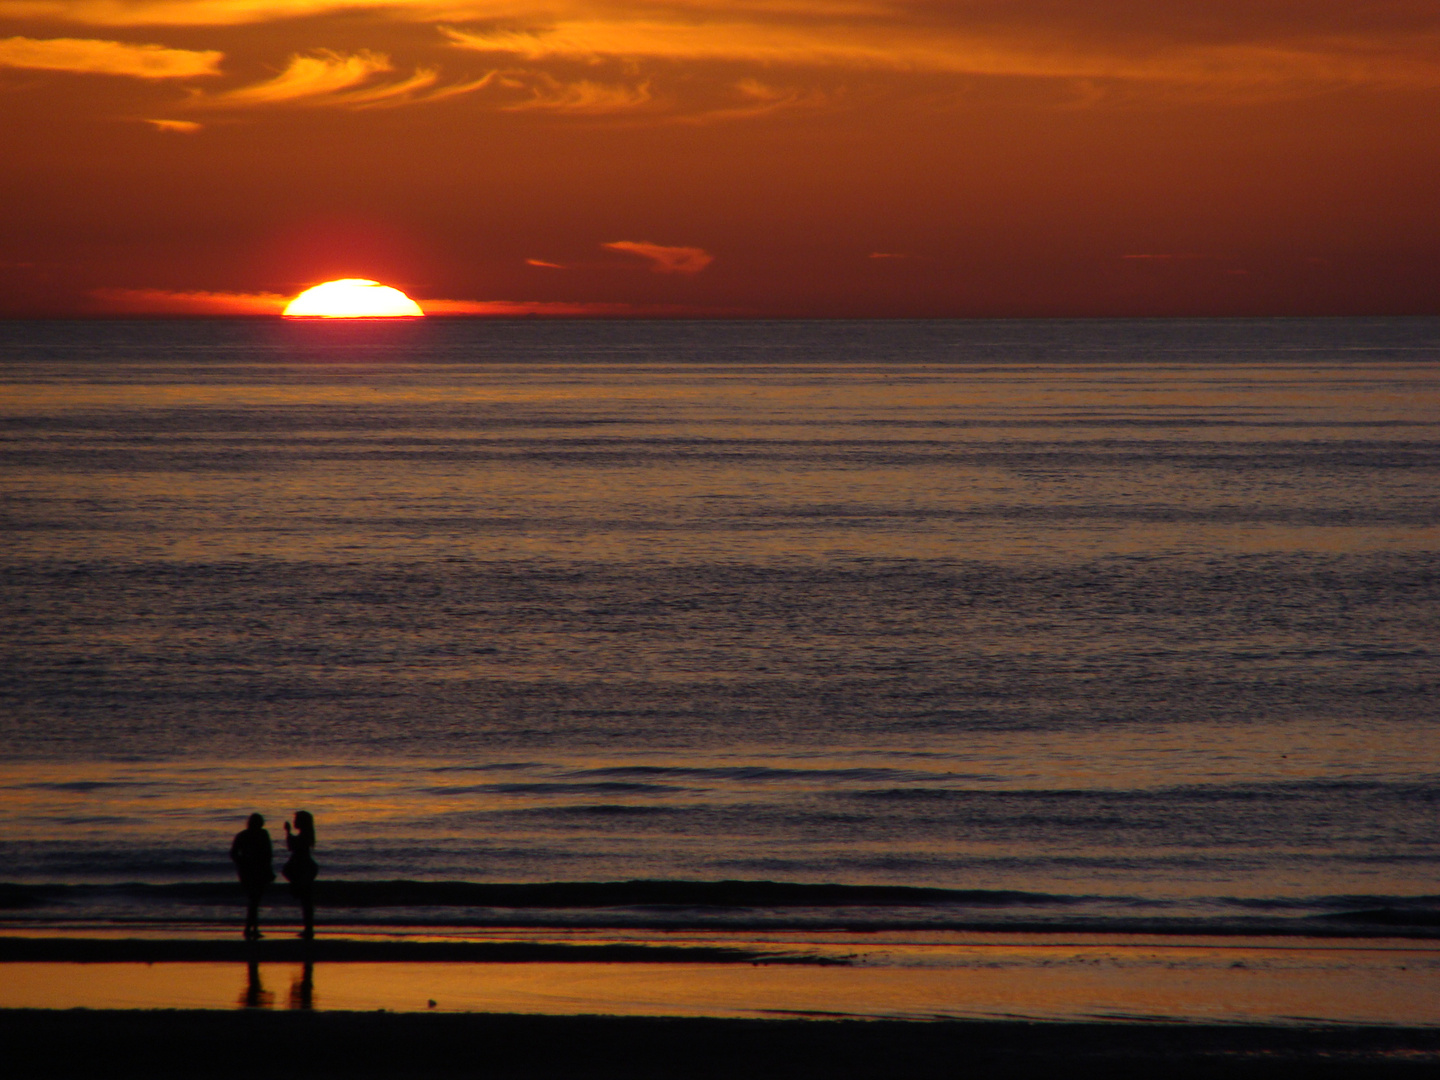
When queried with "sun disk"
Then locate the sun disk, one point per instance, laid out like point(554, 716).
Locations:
point(352, 298)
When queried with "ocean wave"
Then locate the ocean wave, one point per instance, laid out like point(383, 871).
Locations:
point(613, 787)
point(771, 774)
point(755, 904)
point(575, 894)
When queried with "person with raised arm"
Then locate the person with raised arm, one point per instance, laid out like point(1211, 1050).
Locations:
point(300, 869)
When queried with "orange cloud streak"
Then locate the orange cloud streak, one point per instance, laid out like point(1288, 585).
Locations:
point(84, 56)
point(184, 127)
point(514, 308)
point(178, 12)
point(904, 45)
point(324, 73)
point(583, 96)
point(166, 302)
point(666, 260)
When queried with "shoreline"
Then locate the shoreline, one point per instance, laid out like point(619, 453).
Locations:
point(92, 950)
point(707, 944)
point(729, 906)
point(1270, 982)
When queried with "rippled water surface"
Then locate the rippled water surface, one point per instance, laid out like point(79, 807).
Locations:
point(1137, 610)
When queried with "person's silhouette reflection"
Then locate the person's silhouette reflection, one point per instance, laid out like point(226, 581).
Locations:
point(253, 857)
point(300, 869)
point(254, 996)
point(302, 989)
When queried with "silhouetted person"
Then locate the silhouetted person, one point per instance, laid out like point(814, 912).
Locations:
point(300, 870)
point(253, 856)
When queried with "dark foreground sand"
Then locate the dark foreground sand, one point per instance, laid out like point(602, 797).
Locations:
point(38, 1043)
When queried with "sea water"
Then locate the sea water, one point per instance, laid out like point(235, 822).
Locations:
point(1128, 620)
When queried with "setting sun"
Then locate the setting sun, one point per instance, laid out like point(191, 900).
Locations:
point(352, 298)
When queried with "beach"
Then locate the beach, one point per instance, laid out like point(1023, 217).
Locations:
point(708, 698)
point(563, 1004)
point(560, 1002)
point(175, 1043)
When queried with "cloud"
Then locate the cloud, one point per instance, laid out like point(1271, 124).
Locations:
point(185, 127)
point(1233, 49)
point(89, 57)
point(759, 99)
point(166, 302)
point(666, 260)
point(732, 41)
point(333, 79)
point(314, 76)
point(240, 12)
point(548, 265)
point(557, 308)
point(584, 96)
point(388, 92)
point(191, 12)
point(1036, 51)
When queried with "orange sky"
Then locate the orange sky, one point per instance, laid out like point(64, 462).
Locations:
point(766, 157)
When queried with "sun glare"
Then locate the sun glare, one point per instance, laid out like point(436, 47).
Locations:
point(352, 298)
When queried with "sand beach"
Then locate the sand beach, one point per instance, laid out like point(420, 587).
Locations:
point(565, 1003)
point(692, 699)
point(156, 1043)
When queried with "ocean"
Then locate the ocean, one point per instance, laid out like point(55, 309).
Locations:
point(1104, 624)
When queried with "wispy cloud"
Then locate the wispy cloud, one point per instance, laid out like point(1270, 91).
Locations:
point(239, 12)
point(184, 127)
point(1262, 49)
point(348, 80)
point(582, 96)
point(202, 12)
point(167, 302)
point(901, 44)
point(388, 92)
point(318, 75)
point(1321, 43)
point(758, 99)
point(554, 308)
point(547, 265)
point(590, 39)
point(91, 57)
point(666, 260)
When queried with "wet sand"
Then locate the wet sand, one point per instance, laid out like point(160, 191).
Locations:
point(698, 1006)
point(875, 976)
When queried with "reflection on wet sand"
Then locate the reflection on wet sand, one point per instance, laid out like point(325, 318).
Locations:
point(302, 986)
point(255, 996)
point(1389, 982)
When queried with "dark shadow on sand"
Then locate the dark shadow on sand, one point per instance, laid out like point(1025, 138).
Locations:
point(510, 1047)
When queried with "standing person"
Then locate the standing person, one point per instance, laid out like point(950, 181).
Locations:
point(300, 869)
point(252, 854)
